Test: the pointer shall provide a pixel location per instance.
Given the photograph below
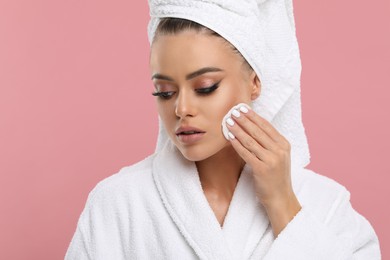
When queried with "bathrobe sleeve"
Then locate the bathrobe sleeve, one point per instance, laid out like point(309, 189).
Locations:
point(342, 234)
point(79, 247)
point(98, 234)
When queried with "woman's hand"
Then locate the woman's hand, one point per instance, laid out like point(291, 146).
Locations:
point(268, 154)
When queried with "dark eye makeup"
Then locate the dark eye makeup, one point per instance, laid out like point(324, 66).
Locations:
point(200, 91)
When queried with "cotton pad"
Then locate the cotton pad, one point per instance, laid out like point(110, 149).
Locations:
point(225, 130)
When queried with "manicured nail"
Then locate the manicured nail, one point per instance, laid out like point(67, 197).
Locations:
point(236, 113)
point(230, 121)
point(244, 109)
point(231, 135)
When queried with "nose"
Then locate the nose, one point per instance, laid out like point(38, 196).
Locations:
point(185, 104)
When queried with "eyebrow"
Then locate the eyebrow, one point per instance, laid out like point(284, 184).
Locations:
point(189, 76)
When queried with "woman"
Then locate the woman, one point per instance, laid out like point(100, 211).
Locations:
point(236, 191)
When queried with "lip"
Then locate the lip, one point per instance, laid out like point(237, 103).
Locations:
point(188, 128)
point(191, 138)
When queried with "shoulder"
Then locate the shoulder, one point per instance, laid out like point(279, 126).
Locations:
point(128, 175)
point(129, 181)
point(320, 193)
point(321, 183)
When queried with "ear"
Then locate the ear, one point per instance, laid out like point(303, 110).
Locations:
point(255, 85)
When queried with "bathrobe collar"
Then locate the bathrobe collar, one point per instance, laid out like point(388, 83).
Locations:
point(180, 190)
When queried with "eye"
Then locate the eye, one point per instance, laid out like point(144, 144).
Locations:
point(163, 95)
point(206, 91)
point(201, 91)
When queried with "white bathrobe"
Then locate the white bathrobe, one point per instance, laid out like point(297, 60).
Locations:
point(156, 209)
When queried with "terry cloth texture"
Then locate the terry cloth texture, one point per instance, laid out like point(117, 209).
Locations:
point(156, 209)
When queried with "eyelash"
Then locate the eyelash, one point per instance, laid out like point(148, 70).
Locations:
point(202, 92)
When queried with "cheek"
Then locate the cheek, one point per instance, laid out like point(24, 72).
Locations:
point(222, 103)
point(166, 114)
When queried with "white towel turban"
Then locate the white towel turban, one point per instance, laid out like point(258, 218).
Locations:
point(264, 33)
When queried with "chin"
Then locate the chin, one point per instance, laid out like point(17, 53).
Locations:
point(194, 158)
point(200, 152)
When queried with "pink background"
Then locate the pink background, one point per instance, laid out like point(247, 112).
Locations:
point(75, 107)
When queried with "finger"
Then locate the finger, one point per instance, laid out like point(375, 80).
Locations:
point(245, 154)
point(266, 126)
point(248, 142)
point(254, 130)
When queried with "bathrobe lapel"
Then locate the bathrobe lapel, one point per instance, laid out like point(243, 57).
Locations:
point(180, 189)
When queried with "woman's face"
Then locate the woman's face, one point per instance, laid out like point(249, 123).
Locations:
point(187, 63)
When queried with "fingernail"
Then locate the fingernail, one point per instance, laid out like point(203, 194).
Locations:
point(231, 135)
point(230, 121)
point(236, 113)
point(244, 109)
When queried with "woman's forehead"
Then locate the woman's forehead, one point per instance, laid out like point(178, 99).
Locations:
point(191, 47)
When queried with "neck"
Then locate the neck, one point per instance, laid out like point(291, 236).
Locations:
point(219, 173)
